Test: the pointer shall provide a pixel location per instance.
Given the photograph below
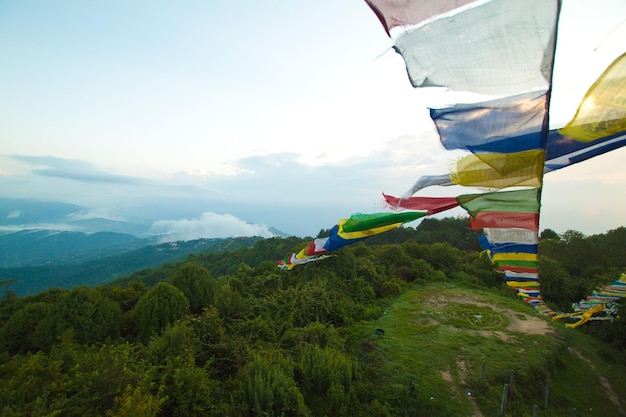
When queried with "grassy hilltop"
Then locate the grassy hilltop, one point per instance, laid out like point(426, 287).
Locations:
point(411, 323)
point(454, 348)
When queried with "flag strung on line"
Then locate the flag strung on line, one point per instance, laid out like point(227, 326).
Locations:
point(498, 47)
point(503, 50)
point(600, 305)
point(602, 111)
point(348, 231)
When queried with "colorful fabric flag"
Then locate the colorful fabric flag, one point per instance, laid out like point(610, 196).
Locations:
point(316, 247)
point(369, 223)
point(515, 236)
point(515, 256)
point(530, 292)
point(424, 181)
point(516, 266)
point(500, 47)
point(348, 231)
point(504, 219)
point(517, 201)
point(395, 13)
point(523, 284)
point(293, 261)
point(516, 123)
point(510, 220)
point(500, 170)
point(603, 109)
point(561, 151)
point(507, 125)
point(337, 241)
point(506, 247)
point(517, 205)
point(521, 276)
point(431, 205)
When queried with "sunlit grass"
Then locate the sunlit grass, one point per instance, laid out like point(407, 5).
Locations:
point(437, 338)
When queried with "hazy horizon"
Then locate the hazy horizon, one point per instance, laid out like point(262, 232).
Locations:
point(199, 115)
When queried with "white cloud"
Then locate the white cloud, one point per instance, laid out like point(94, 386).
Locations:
point(299, 198)
point(208, 225)
point(56, 227)
point(98, 213)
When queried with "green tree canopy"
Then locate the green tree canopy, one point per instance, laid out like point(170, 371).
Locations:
point(162, 305)
point(87, 313)
point(549, 234)
point(197, 284)
point(19, 334)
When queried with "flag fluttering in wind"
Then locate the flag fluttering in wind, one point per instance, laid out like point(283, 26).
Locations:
point(603, 109)
point(602, 300)
point(509, 221)
point(503, 53)
point(498, 47)
point(503, 50)
point(348, 231)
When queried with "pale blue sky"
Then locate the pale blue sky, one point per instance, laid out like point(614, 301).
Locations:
point(289, 114)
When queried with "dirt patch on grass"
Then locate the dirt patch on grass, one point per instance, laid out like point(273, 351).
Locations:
point(462, 311)
point(518, 322)
point(615, 399)
point(461, 367)
point(529, 325)
point(462, 372)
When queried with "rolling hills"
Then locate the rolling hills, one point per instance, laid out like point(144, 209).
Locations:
point(98, 263)
point(455, 348)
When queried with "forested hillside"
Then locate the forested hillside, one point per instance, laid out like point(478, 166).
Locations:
point(110, 263)
point(408, 323)
point(36, 247)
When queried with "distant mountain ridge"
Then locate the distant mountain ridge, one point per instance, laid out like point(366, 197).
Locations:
point(29, 280)
point(24, 214)
point(46, 244)
point(14, 211)
point(37, 247)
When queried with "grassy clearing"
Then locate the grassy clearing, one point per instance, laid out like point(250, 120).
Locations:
point(429, 361)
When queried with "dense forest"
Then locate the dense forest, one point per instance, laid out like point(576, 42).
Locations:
point(91, 268)
point(229, 334)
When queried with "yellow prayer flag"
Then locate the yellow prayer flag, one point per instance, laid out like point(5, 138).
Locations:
point(602, 111)
point(500, 170)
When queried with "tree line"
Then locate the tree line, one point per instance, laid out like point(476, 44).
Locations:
point(231, 335)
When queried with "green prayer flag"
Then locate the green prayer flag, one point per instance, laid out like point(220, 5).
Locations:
point(359, 222)
point(518, 201)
